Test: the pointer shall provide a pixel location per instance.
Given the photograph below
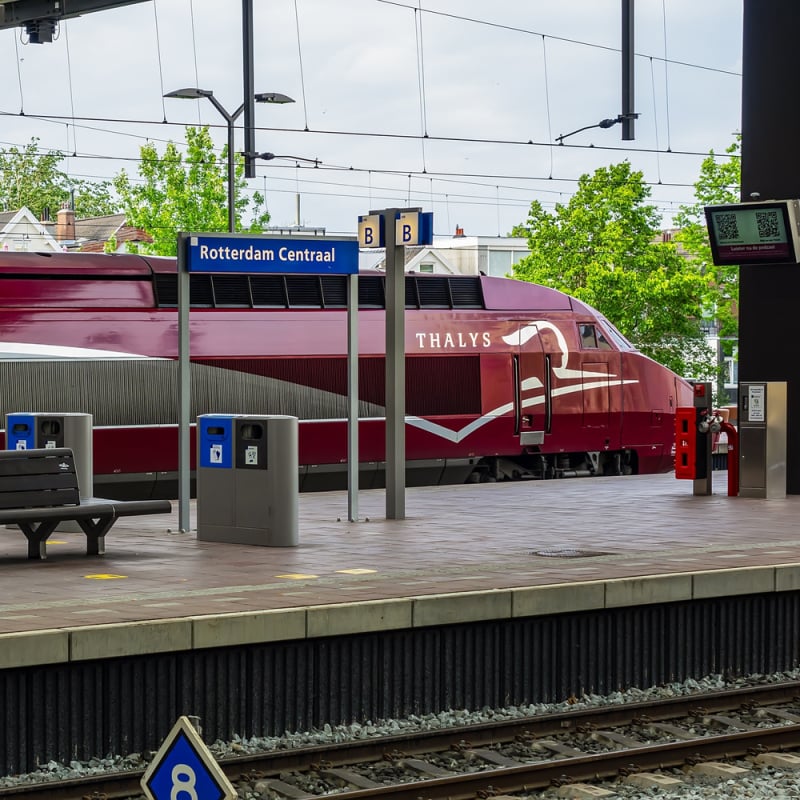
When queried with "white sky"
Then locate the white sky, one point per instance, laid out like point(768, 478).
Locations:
point(353, 72)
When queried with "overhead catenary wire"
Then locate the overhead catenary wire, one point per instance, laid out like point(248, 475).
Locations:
point(423, 116)
point(194, 56)
point(666, 73)
point(455, 176)
point(158, 53)
point(69, 83)
point(566, 39)
point(655, 120)
point(300, 62)
point(368, 134)
point(547, 103)
point(19, 76)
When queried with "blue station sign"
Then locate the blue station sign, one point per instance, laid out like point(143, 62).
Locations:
point(185, 768)
point(259, 254)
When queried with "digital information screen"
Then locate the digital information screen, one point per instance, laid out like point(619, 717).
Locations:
point(751, 233)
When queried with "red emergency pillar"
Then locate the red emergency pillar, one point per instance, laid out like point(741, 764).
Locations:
point(686, 443)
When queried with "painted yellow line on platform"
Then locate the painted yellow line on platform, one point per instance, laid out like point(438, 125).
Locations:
point(357, 571)
point(57, 541)
point(296, 576)
point(104, 577)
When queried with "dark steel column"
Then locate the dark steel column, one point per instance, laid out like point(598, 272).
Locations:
point(249, 88)
point(628, 82)
point(768, 305)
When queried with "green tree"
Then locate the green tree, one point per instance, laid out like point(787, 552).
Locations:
point(719, 183)
point(31, 178)
point(603, 247)
point(176, 193)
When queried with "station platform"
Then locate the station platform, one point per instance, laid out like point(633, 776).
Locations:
point(463, 553)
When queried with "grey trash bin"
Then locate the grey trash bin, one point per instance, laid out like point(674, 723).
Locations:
point(40, 429)
point(247, 479)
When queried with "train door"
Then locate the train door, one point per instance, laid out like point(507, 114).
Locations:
point(532, 389)
point(600, 379)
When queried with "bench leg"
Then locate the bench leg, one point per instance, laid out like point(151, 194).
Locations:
point(37, 537)
point(96, 531)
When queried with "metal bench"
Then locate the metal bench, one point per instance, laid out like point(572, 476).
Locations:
point(39, 488)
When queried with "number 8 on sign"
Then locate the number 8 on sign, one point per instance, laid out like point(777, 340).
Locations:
point(183, 782)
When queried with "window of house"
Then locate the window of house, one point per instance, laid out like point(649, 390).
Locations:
point(426, 267)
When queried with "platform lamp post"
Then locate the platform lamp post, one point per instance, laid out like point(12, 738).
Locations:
point(192, 93)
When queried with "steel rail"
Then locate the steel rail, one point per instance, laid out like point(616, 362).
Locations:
point(125, 784)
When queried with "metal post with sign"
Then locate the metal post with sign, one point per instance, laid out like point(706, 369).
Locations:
point(394, 229)
point(247, 254)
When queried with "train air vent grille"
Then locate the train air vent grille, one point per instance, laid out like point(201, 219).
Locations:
point(412, 295)
point(370, 291)
point(166, 289)
point(231, 291)
point(466, 292)
point(200, 291)
point(304, 290)
point(334, 291)
point(433, 292)
point(269, 291)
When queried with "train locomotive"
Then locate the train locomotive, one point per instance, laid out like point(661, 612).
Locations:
point(504, 379)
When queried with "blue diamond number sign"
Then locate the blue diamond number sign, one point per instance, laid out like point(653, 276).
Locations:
point(185, 769)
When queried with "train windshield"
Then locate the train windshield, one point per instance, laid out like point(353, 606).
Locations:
point(619, 340)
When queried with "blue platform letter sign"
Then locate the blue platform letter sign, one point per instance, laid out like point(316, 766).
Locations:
point(184, 769)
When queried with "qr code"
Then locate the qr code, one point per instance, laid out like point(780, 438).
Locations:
point(767, 224)
point(727, 227)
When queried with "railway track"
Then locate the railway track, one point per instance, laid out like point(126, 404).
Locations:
point(501, 757)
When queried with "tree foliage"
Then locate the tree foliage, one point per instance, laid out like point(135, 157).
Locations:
point(603, 247)
point(176, 193)
point(34, 179)
point(719, 183)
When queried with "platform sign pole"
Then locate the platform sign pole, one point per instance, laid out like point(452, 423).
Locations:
point(395, 370)
point(394, 229)
point(352, 398)
point(184, 391)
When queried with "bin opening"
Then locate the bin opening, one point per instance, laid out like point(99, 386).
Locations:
point(51, 426)
point(251, 431)
point(20, 427)
point(215, 430)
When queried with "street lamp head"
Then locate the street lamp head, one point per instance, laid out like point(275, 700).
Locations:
point(270, 156)
point(190, 93)
point(272, 97)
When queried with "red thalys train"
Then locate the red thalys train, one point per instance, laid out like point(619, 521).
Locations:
point(504, 379)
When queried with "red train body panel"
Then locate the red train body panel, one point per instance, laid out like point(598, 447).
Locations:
point(504, 379)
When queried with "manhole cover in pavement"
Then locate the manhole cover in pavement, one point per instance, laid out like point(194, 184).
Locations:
point(565, 552)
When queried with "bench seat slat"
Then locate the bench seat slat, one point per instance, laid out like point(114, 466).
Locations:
point(21, 483)
point(20, 464)
point(40, 498)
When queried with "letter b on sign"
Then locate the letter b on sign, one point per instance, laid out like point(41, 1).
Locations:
point(406, 234)
point(369, 231)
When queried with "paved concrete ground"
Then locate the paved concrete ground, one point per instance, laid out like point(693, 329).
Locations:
point(455, 539)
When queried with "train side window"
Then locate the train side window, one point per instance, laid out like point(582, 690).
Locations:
point(602, 342)
point(588, 337)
